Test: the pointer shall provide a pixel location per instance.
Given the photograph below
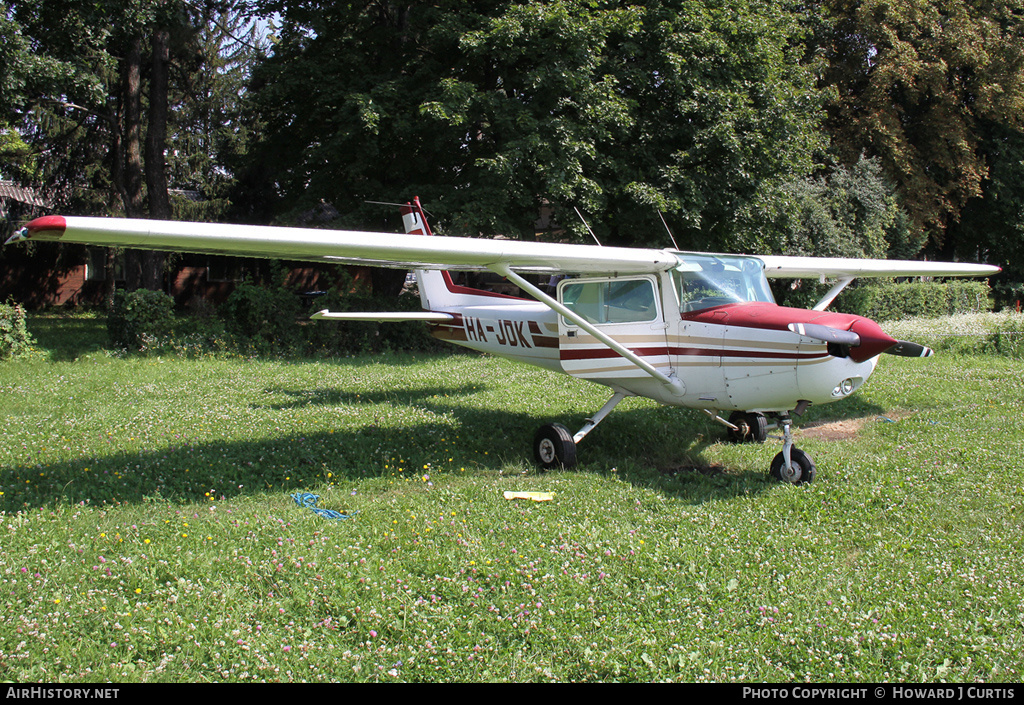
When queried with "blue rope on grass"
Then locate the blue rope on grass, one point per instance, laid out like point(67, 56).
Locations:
point(309, 500)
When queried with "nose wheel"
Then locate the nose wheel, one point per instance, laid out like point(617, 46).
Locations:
point(792, 465)
point(801, 467)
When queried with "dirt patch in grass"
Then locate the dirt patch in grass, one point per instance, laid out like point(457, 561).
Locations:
point(846, 429)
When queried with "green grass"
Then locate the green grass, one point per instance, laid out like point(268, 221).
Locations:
point(149, 534)
point(966, 334)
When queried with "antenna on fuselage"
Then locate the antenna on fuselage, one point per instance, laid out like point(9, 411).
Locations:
point(668, 230)
point(586, 226)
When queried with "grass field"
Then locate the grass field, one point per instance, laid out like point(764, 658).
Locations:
point(149, 533)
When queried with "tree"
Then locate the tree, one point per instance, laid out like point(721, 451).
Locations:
point(991, 227)
point(99, 128)
point(210, 125)
point(488, 110)
point(845, 212)
point(30, 74)
point(915, 82)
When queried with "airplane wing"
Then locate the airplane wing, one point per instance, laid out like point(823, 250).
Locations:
point(784, 267)
point(436, 252)
point(847, 269)
point(346, 246)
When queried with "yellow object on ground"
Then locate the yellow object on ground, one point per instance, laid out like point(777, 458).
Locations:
point(535, 496)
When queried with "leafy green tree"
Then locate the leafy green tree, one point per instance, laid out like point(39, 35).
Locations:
point(915, 80)
point(489, 109)
point(16, 65)
point(847, 212)
point(112, 97)
point(991, 227)
point(208, 120)
point(29, 73)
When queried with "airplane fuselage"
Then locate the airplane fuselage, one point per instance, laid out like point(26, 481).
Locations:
point(729, 356)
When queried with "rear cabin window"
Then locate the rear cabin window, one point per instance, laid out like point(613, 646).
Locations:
point(611, 301)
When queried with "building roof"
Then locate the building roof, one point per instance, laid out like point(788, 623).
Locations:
point(22, 194)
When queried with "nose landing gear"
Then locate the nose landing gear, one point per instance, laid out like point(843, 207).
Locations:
point(792, 465)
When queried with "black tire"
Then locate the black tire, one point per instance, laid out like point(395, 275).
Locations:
point(801, 465)
point(752, 427)
point(553, 447)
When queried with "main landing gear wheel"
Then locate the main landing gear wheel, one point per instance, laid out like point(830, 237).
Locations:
point(553, 446)
point(751, 427)
point(801, 467)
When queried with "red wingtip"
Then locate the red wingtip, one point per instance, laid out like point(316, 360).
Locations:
point(52, 225)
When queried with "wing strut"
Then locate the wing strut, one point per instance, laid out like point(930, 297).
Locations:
point(832, 293)
point(672, 382)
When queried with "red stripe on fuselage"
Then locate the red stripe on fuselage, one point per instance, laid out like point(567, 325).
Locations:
point(469, 291)
point(597, 353)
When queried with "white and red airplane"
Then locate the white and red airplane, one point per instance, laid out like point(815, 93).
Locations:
point(686, 329)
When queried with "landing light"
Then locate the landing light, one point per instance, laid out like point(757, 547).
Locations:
point(843, 388)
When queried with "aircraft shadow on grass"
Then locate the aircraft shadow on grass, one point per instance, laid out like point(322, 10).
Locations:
point(329, 397)
point(658, 448)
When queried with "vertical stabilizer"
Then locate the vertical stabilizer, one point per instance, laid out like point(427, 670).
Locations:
point(434, 293)
point(437, 290)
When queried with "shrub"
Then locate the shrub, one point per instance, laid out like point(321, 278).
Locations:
point(890, 301)
point(1009, 295)
point(139, 320)
point(264, 317)
point(966, 333)
point(14, 337)
point(197, 336)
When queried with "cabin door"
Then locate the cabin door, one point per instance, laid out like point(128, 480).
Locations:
point(628, 309)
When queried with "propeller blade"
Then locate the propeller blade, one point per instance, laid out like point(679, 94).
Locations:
point(905, 348)
point(826, 334)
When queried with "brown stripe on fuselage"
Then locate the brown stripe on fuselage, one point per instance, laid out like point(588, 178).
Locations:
point(453, 331)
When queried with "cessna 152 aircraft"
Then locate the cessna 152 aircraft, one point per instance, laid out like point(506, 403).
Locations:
point(686, 329)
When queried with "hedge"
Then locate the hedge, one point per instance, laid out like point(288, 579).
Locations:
point(890, 301)
point(138, 320)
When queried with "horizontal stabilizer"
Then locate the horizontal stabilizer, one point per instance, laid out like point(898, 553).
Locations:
point(383, 317)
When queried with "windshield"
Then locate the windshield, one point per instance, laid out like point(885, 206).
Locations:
point(703, 281)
